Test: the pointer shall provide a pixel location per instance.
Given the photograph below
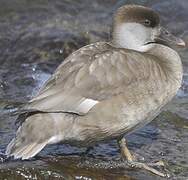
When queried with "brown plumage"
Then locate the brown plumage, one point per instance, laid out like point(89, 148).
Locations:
point(106, 89)
point(139, 14)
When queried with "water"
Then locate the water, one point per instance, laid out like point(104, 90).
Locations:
point(35, 37)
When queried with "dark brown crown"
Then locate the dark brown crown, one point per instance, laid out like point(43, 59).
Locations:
point(138, 14)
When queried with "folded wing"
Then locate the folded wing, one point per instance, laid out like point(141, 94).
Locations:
point(92, 74)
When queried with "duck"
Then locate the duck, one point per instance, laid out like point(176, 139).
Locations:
point(105, 90)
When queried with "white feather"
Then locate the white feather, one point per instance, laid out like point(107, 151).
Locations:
point(86, 105)
point(55, 139)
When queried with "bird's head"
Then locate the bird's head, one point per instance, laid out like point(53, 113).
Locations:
point(138, 28)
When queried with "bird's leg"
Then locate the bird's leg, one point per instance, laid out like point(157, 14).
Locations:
point(125, 151)
point(133, 163)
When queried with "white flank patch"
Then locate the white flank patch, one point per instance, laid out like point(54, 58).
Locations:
point(55, 139)
point(86, 105)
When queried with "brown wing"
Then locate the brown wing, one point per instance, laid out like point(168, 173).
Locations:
point(92, 74)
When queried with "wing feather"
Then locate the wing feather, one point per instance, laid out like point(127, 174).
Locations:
point(92, 74)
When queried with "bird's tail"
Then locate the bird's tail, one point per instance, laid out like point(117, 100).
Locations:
point(32, 136)
point(24, 151)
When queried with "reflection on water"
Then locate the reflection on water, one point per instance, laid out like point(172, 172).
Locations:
point(35, 36)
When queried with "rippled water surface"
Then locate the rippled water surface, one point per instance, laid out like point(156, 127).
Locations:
point(35, 37)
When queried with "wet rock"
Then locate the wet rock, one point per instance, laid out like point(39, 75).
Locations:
point(35, 37)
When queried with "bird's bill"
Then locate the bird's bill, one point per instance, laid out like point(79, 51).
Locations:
point(165, 37)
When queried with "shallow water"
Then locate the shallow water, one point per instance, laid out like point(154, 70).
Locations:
point(35, 37)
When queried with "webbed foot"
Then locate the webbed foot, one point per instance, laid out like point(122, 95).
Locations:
point(134, 164)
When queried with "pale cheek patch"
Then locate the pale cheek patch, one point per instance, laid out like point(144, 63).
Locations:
point(86, 105)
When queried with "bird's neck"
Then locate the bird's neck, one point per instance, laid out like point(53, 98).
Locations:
point(170, 62)
point(167, 58)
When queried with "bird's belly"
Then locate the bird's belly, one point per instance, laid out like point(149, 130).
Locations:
point(109, 120)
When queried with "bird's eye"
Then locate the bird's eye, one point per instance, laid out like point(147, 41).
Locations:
point(147, 22)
